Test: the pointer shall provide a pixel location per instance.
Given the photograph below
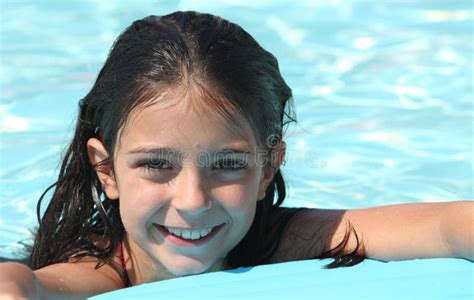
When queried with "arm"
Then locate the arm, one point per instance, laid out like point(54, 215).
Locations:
point(17, 281)
point(392, 232)
point(71, 280)
point(458, 229)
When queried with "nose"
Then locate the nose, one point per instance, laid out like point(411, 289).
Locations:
point(191, 195)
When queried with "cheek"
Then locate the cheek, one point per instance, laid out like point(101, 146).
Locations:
point(240, 204)
point(139, 201)
point(239, 198)
point(241, 195)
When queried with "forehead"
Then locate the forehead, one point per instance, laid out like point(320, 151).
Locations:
point(185, 120)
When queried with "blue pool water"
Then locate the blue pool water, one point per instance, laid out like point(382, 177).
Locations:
point(383, 92)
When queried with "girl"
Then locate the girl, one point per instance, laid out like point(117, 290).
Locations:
point(174, 170)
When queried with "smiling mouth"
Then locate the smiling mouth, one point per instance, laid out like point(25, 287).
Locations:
point(186, 237)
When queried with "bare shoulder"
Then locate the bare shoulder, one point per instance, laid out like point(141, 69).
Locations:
point(311, 232)
point(81, 277)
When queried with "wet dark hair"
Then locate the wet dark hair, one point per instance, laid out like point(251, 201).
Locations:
point(153, 56)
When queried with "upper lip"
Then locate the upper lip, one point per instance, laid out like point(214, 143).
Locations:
point(191, 228)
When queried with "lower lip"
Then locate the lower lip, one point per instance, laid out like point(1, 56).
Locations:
point(188, 243)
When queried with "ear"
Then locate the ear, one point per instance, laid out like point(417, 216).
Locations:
point(97, 154)
point(276, 160)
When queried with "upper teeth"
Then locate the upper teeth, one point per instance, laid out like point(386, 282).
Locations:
point(189, 234)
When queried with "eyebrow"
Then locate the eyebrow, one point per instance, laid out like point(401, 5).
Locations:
point(167, 150)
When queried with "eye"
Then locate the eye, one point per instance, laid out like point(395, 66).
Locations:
point(230, 164)
point(155, 165)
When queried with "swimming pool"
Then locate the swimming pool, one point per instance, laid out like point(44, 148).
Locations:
point(383, 93)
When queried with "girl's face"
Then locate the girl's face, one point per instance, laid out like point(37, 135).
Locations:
point(178, 169)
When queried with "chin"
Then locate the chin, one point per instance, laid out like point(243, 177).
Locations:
point(188, 270)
